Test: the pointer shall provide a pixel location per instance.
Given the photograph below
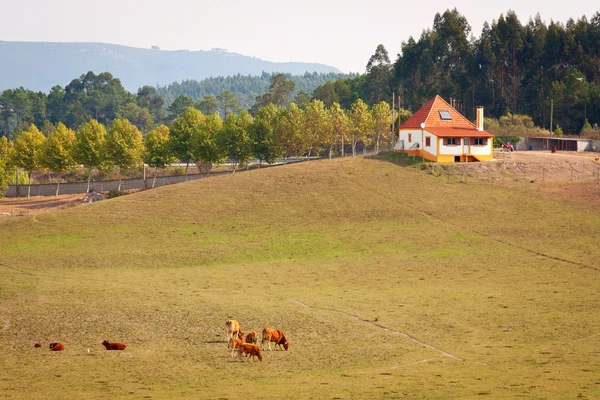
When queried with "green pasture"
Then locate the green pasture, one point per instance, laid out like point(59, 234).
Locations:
point(388, 282)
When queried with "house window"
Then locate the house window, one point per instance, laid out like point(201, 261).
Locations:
point(451, 141)
point(445, 115)
point(466, 141)
point(409, 137)
point(480, 141)
point(428, 141)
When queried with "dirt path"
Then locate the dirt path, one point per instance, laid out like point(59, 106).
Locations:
point(22, 207)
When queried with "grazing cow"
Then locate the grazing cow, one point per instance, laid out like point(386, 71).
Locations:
point(233, 329)
point(252, 337)
point(113, 346)
point(56, 347)
point(274, 335)
point(233, 342)
point(251, 349)
point(37, 345)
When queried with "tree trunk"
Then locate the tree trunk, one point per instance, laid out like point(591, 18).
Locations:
point(342, 146)
point(89, 179)
point(29, 186)
point(154, 180)
point(233, 165)
point(330, 151)
point(354, 141)
point(57, 187)
point(308, 156)
point(186, 169)
point(119, 188)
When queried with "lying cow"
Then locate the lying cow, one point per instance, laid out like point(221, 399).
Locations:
point(113, 346)
point(233, 329)
point(274, 335)
point(251, 349)
point(252, 337)
point(56, 347)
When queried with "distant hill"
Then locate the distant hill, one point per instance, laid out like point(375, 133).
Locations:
point(39, 66)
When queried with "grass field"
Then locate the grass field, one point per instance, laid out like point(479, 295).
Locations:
point(388, 282)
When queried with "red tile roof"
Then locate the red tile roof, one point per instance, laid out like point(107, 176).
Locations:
point(430, 115)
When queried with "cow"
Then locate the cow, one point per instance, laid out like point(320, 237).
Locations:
point(233, 329)
point(274, 335)
point(56, 347)
point(252, 337)
point(251, 349)
point(233, 342)
point(113, 346)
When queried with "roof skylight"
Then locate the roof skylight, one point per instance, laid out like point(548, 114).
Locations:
point(445, 115)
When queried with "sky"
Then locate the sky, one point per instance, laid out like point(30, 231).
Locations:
point(341, 33)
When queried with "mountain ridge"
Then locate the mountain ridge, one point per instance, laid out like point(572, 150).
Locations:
point(39, 66)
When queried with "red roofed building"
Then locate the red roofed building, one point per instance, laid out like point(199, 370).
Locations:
point(439, 133)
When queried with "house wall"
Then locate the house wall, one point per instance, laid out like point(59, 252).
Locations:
point(416, 138)
point(595, 145)
point(432, 149)
point(451, 150)
point(482, 150)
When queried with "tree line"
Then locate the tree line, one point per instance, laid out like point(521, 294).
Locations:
point(534, 68)
point(194, 137)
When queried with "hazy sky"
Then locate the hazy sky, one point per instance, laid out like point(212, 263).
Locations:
point(342, 33)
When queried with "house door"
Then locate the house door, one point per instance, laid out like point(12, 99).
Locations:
point(466, 145)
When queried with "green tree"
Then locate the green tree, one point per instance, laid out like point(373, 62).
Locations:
point(89, 146)
point(149, 98)
point(59, 151)
point(29, 148)
point(124, 146)
point(179, 106)
point(361, 122)
point(234, 139)
point(158, 152)
point(315, 124)
point(182, 132)
point(379, 75)
point(382, 121)
point(289, 131)
point(339, 125)
point(207, 105)
point(262, 134)
point(228, 102)
point(6, 162)
point(204, 141)
point(140, 117)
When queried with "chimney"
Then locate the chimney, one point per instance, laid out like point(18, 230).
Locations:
point(479, 121)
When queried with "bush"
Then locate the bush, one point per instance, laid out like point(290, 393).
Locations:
point(115, 193)
point(179, 171)
point(498, 142)
point(23, 178)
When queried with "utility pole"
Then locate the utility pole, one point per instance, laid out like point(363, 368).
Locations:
point(551, 112)
point(393, 120)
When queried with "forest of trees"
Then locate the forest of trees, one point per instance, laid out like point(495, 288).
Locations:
point(512, 67)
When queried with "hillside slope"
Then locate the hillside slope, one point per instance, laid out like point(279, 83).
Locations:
point(39, 66)
point(387, 281)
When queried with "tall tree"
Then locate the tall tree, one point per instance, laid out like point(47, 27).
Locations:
point(382, 121)
point(228, 102)
point(140, 117)
point(262, 134)
point(59, 151)
point(208, 105)
point(289, 131)
point(149, 98)
point(204, 141)
point(182, 132)
point(339, 125)
point(315, 123)
point(124, 146)
point(362, 124)
point(179, 106)
point(379, 75)
point(89, 147)
point(29, 148)
point(158, 152)
point(7, 159)
point(234, 138)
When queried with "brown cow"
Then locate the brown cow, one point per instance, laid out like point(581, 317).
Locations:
point(233, 342)
point(56, 347)
point(232, 330)
point(113, 346)
point(252, 337)
point(251, 349)
point(274, 335)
